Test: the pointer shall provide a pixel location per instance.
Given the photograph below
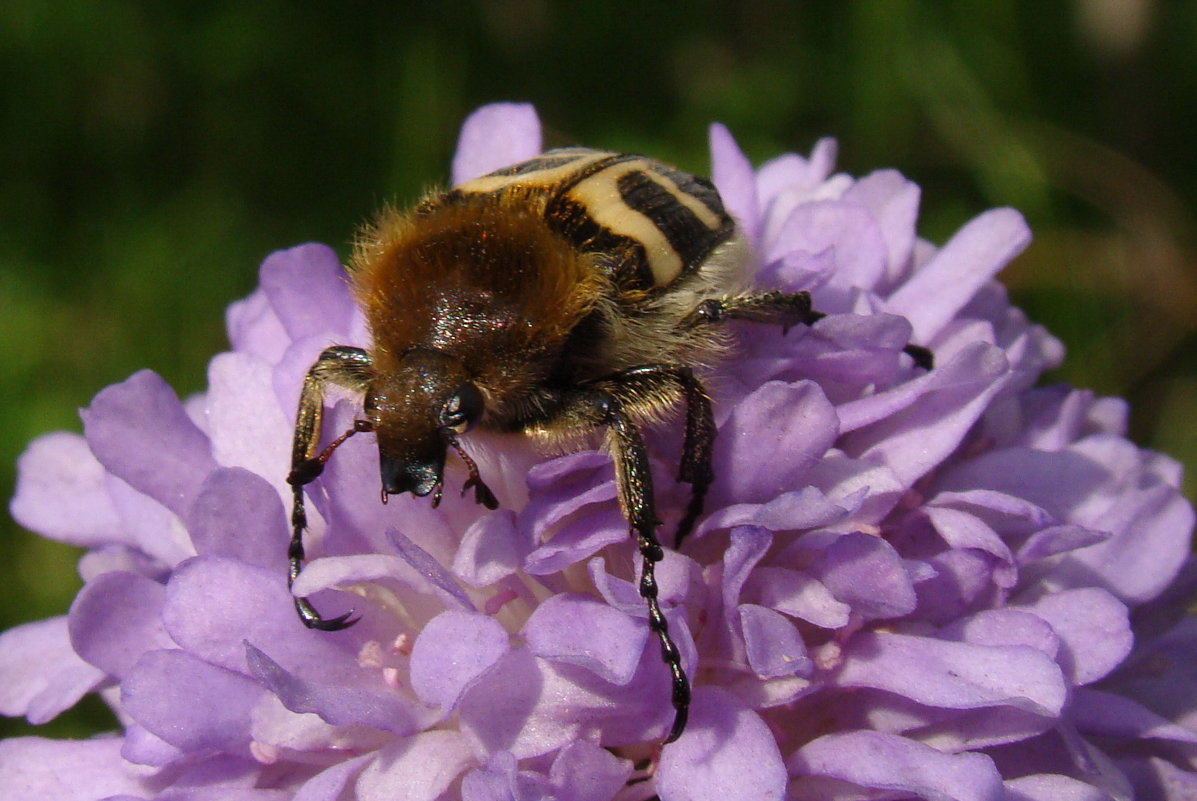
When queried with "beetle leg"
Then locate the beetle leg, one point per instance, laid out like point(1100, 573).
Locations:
point(779, 308)
point(647, 381)
point(601, 405)
point(346, 367)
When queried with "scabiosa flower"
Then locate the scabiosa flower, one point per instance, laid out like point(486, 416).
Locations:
point(906, 584)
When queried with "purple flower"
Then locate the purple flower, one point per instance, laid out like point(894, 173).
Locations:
point(906, 584)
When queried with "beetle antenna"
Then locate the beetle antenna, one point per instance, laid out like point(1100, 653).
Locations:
point(482, 493)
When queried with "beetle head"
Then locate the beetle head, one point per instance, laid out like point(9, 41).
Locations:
point(417, 411)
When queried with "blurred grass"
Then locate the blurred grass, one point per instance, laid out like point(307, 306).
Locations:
point(155, 153)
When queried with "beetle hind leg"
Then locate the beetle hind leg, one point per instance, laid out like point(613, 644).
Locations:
point(778, 308)
point(602, 404)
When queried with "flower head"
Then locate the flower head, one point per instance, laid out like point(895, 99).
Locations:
point(906, 584)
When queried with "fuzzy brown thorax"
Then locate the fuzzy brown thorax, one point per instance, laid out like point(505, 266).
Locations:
point(488, 283)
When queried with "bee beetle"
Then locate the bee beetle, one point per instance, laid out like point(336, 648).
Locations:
point(572, 292)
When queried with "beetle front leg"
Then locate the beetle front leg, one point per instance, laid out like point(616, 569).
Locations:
point(346, 367)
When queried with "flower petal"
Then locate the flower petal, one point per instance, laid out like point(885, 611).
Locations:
point(773, 644)
point(733, 175)
point(37, 769)
point(585, 772)
point(330, 783)
point(338, 704)
point(189, 703)
point(707, 763)
point(308, 291)
point(231, 502)
point(893, 201)
point(1052, 787)
point(940, 289)
point(584, 631)
point(751, 468)
point(40, 673)
point(866, 573)
point(62, 492)
point(139, 431)
point(1093, 627)
point(954, 675)
point(451, 652)
point(491, 549)
point(496, 136)
point(416, 768)
point(116, 618)
point(880, 761)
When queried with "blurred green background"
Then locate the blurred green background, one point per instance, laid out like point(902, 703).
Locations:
point(154, 153)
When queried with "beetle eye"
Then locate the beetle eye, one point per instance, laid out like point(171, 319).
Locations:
point(463, 409)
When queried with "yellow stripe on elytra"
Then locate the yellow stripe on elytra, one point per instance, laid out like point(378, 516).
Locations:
point(545, 178)
point(599, 195)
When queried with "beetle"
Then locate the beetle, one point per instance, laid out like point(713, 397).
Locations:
point(576, 291)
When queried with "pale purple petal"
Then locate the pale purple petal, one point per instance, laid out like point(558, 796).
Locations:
point(189, 703)
point(1152, 533)
point(880, 761)
point(248, 428)
point(429, 568)
point(1094, 629)
point(773, 644)
point(330, 783)
point(37, 769)
point(584, 631)
point(496, 136)
point(802, 426)
point(509, 709)
point(254, 328)
point(231, 502)
point(140, 433)
point(954, 675)
point(1056, 540)
point(734, 177)
point(585, 772)
point(708, 762)
point(491, 549)
point(747, 546)
point(1052, 787)
point(308, 291)
point(143, 747)
point(562, 486)
point(867, 574)
point(1004, 627)
point(416, 768)
point(920, 436)
point(800, 595)
point(453, 650)
point(1107, 715)
point(937, 291)
point(337, 704)
point(583, 535)
point(498, 781)
point(62, 492)
point(113, 642)
point(40, 673)
point(893, 201)
point(789, 511)
point(214, 603)
point(847, 231)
